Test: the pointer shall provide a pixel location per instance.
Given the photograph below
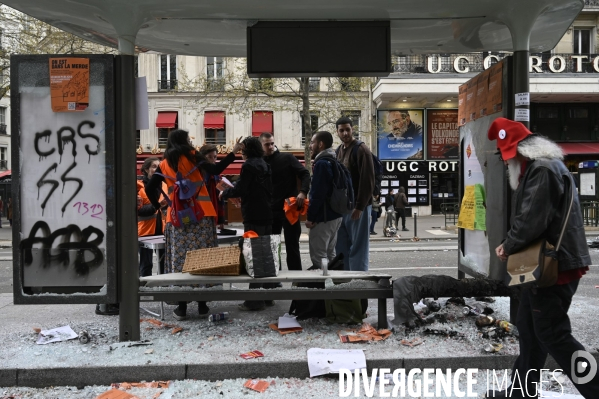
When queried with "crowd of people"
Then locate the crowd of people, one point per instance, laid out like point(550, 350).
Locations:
point(268, 179)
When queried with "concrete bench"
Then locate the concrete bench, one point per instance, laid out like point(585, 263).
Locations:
point(175, 287)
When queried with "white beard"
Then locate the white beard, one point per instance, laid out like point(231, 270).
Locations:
point(514, 168)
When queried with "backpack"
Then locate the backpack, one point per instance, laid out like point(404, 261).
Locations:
point(378, 167)
point(342, 198)
point(184, 209)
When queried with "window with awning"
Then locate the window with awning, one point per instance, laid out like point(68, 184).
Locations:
point(214, 120)
point(580, 148)
point(167, 120)
point(261, 122)
point(214, 127)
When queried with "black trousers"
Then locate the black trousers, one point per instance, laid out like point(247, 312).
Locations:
point(544, 328)
point(400, 212)
point(292, 233)
point(145, 261)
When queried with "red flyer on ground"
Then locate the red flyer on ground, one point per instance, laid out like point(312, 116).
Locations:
point(252, 355)
point(257, 385)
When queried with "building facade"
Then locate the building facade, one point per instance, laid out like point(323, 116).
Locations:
point(422, 95)
point(212, 98)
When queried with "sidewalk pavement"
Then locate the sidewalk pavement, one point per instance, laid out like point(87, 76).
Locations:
point(206, 350)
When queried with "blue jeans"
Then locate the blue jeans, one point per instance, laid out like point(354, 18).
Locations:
point(374, 216)
point(353, 241)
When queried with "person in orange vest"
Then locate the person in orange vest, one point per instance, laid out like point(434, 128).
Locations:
point(181, 156)
point(149, 219)
point(210, 152)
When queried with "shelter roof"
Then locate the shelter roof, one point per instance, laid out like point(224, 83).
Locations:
point(218, 28)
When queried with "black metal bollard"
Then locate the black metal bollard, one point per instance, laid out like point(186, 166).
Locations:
point(415, 225)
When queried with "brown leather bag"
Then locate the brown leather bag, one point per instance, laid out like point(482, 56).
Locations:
point(536, 264)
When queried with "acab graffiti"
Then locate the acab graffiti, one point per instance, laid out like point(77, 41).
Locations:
point(71, 240)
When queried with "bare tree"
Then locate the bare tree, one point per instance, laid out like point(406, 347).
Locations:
point(22, 34)
point(239, 94)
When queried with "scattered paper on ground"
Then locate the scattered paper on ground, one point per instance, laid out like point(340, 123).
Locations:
point(286, 330)
point(116, 394)
point(288, 321)
point(55, 335)
point(257, 385)
point(252, 355)
point(326, 361)
point(159, 324)
point(363, 334)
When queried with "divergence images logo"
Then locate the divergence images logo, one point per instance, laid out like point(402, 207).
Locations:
point(584, 367)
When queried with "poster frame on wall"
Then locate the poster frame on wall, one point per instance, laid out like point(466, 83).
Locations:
point(428, 135)
point(31, 72)
point(381, 135)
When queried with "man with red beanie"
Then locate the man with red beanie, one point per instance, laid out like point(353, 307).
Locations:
point(542, 193)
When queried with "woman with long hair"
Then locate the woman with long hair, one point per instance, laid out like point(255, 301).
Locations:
point(180, 156)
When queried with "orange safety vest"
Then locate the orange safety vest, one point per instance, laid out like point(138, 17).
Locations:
point(146, 225)
point(184, 166)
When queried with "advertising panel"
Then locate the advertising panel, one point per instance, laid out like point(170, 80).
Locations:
point(63, 190)
point(443, 135)
point(400, 134)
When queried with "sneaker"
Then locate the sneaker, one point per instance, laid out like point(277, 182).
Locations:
point(245, 308)
point(111, 310)
point(373, 232)
point(404, 229)
point(269, 303)
point(180, 314)
point(203, 309)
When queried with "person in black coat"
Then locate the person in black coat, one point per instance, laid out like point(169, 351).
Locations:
point(286, 171)
point(254, 187)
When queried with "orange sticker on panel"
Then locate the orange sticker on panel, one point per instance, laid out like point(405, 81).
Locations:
point(69, 84)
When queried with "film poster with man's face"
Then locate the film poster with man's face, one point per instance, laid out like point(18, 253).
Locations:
point(400, 134)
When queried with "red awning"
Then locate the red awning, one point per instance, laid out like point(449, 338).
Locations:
point(235, 167)
point(166, 120)
point(580, 148)
point(5, 173)
point(261, 122)
point(214, 120)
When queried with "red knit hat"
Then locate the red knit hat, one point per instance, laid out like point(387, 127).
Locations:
point(508, 134)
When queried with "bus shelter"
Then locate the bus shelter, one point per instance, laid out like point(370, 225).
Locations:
point(275, 36)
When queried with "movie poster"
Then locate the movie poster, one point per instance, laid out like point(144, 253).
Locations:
point(443, 134)
point(400, 134)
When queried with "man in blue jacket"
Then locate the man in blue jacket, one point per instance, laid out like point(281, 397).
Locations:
point(322, 221)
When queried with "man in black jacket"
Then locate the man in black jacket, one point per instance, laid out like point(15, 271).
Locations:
point(542, 194)
point(286, 169)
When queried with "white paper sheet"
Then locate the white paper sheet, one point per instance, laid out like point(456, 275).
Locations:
point(288, 321)
point(325, 361)
point(55, 335)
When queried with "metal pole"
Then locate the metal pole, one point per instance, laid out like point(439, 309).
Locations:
point(521, 85)
point(125, 190)
point(415, 225)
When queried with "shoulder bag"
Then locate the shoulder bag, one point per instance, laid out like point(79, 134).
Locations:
point(537, 264)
